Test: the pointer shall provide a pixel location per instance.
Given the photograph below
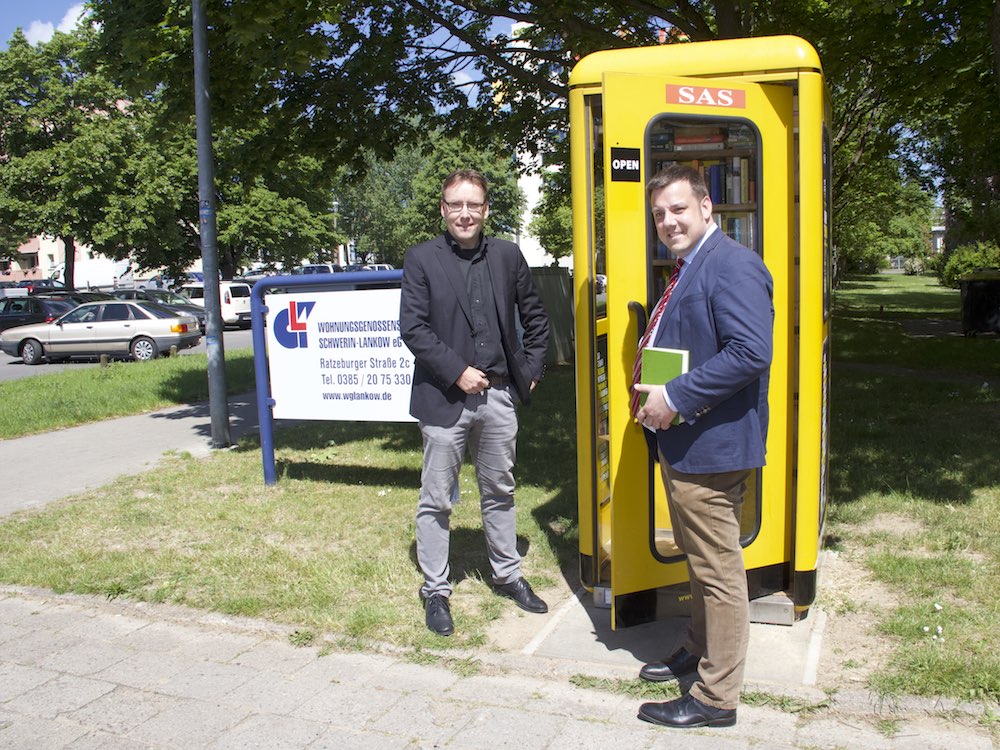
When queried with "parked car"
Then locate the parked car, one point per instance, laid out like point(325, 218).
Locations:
point(79, 297)
point(121, 328)
point(316, 268)
point(381, 267)
point(20, 311)
point(34, 284)
point(234, 297)
point(171, 300)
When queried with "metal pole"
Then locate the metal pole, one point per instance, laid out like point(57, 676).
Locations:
point(218, 403)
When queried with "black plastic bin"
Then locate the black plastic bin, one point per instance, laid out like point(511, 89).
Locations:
point(980, 301)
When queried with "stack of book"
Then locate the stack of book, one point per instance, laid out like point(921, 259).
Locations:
point(698, 138)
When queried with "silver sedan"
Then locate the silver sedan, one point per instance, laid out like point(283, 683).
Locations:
point(118, 328)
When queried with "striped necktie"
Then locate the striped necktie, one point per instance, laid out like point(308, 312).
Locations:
point(654, 320)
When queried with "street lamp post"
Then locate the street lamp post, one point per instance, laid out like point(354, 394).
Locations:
point(218, 404)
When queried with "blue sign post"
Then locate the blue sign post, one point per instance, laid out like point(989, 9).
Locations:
point(330, 282)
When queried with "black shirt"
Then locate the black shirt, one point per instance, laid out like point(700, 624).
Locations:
point(490, 355)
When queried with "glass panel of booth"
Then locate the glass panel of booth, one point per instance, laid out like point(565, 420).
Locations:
point(602, 477)
point(727, 153)
point(598, 241)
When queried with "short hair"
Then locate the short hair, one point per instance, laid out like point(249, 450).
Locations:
point(678, 173)
point(467, 175)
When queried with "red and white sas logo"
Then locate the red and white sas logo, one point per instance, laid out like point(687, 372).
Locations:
point(706, 96)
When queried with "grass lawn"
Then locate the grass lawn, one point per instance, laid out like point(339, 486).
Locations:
point(915, 470)
point(330, 550)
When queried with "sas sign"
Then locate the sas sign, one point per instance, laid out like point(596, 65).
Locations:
point(706, 96)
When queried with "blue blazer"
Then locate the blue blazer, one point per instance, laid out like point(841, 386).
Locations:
point(435, 321)
point(722, 312)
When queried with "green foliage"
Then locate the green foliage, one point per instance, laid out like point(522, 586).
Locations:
point(65, 141)
point(969, 258)
point(886, 218)
point(552, 221)
point(911, 84)
point(390, 204)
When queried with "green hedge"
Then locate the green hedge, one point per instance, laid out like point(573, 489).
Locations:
point(967, 259)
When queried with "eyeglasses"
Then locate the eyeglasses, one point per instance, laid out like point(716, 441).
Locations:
point(455, 207)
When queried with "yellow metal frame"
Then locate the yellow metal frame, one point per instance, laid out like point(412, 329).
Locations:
point(614, 492)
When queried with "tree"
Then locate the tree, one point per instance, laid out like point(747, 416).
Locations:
point(390, 204)
point(552, 220)
point(339, 78)
point(64, 142)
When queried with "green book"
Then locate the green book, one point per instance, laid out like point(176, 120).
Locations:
point(660, 366)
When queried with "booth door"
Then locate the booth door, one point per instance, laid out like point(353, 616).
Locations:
point(741, 136)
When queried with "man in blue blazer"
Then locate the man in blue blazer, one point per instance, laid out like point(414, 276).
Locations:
point(721, 311)
point(460, 294)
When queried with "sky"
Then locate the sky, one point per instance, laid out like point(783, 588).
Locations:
point(38, 19)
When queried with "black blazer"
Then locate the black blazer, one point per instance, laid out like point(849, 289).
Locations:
point(436, 324)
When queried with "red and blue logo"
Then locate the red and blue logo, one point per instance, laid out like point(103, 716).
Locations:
point(290, 325)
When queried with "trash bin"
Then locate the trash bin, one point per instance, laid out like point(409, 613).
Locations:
point(980, 301)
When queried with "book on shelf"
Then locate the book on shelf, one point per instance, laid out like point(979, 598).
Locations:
point(739, 228)
point(715, 183)
point(660, 366)
point(699, 146)
point(733, 185)
point(711, 138)
point(660, 139)
point(697, 131)
point(745, 180)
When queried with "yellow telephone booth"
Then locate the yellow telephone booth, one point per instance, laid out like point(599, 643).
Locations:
point(753, 116)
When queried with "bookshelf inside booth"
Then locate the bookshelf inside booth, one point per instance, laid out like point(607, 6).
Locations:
point(726, 151)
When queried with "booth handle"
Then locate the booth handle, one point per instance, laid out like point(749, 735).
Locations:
point(638, 312)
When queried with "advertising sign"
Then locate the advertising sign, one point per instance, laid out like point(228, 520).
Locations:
point(337, 355)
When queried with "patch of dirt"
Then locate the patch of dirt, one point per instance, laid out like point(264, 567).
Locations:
point(854, 603)
point(894, 523)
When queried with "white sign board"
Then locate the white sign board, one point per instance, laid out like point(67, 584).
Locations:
point(338, 356)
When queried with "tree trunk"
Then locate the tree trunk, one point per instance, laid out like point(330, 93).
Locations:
point(69, 261)
point(995, 43)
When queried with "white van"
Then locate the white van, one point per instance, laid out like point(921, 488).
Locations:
point(234, 297)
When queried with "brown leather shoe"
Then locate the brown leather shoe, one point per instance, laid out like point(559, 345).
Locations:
point(687, 712)
point(678, 664)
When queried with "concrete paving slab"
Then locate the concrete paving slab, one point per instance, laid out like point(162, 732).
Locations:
point(580, 632)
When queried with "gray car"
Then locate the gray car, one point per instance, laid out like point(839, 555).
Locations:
point(118, 328)
point(168, 299)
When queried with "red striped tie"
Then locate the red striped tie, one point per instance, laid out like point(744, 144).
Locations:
point(644, 342)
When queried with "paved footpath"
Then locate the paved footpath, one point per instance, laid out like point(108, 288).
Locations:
point(83, 672)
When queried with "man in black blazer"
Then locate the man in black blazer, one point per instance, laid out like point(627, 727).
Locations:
point(460, 293)
point(720, 310)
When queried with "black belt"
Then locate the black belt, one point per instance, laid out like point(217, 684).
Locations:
point(497, 381)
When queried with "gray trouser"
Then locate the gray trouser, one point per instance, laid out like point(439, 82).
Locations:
point(488, 427)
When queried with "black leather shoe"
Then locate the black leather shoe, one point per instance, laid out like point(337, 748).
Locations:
point(687, 712)
point(678, 664)
point(520, 591)
point(437, 614)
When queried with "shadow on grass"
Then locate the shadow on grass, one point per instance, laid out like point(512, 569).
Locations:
point(190, 386)
point(907, 434)
point(468, 555)
point(546, 459)
point(899, 296)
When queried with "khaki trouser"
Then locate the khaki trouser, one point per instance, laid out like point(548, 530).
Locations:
point(705, 515)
